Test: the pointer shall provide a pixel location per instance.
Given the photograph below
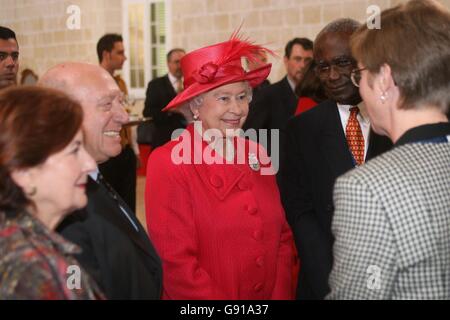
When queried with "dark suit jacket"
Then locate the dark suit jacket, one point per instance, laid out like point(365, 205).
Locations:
point(317, 154)
point(159, 93)
point(258, 89)
point(271, 108)
point(123, 261)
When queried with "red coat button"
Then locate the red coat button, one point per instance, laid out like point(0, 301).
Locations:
point(260, 261)
point(258, 287)
point(258, 235)
point(252, 210)
point(216, 181)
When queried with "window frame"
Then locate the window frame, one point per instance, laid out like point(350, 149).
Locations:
point(139, 93)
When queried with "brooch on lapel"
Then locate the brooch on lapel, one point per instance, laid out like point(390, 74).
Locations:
point(253, 162)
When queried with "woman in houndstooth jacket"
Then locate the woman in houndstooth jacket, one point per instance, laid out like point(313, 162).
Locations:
point(392, 215)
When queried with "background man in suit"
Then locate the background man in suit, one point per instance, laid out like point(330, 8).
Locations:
point(319, 152)
point(255, 64)
point(274, 105)
point(392, 216)
point(277, 102)
point(9, 57)
point(160, 92)
point(116, 250)
point(119, 171)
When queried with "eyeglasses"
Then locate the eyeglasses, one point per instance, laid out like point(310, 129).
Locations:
point(342, 65)
point(355, 75)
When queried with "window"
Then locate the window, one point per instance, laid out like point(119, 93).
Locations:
point(145, 32)
point(136, 45)
point(158, 39)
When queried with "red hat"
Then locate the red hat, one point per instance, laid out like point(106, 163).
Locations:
point(214, 66)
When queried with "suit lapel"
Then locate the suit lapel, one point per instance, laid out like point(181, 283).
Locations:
point(283, 104)
point(377, 145)
point(170, 90)
point(372, 144)
point(334, 146)
point(290, 98)
point(108, 207)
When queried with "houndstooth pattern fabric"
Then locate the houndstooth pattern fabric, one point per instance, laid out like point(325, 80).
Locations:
point(392, 226)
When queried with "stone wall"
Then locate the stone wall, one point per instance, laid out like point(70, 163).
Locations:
point(45, 40)
point(196, 23)
point(43, 36)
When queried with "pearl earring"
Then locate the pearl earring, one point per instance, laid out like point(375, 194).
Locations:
point(32, 192)
point(195, 116)
point(383, 97)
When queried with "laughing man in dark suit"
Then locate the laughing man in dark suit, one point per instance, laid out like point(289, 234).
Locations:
point(318, 152)
point(116, 250)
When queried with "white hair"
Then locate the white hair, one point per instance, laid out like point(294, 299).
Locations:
point(197, 101)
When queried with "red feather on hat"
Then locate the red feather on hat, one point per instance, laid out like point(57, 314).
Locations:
point(237, 48)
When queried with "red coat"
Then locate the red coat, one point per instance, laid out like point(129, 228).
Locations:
point(220, 229)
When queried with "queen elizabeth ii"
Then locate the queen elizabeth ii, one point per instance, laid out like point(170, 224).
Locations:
point(215, 216)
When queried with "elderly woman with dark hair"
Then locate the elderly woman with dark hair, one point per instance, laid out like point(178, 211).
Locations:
point(392, 215)
point(43, 173)
point(212, 203)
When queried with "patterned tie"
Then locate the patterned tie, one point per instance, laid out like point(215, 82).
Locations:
point(355, 138)
point(179, 85)
point(113, 194)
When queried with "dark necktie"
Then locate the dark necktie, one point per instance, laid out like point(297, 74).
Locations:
point(101, 180)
